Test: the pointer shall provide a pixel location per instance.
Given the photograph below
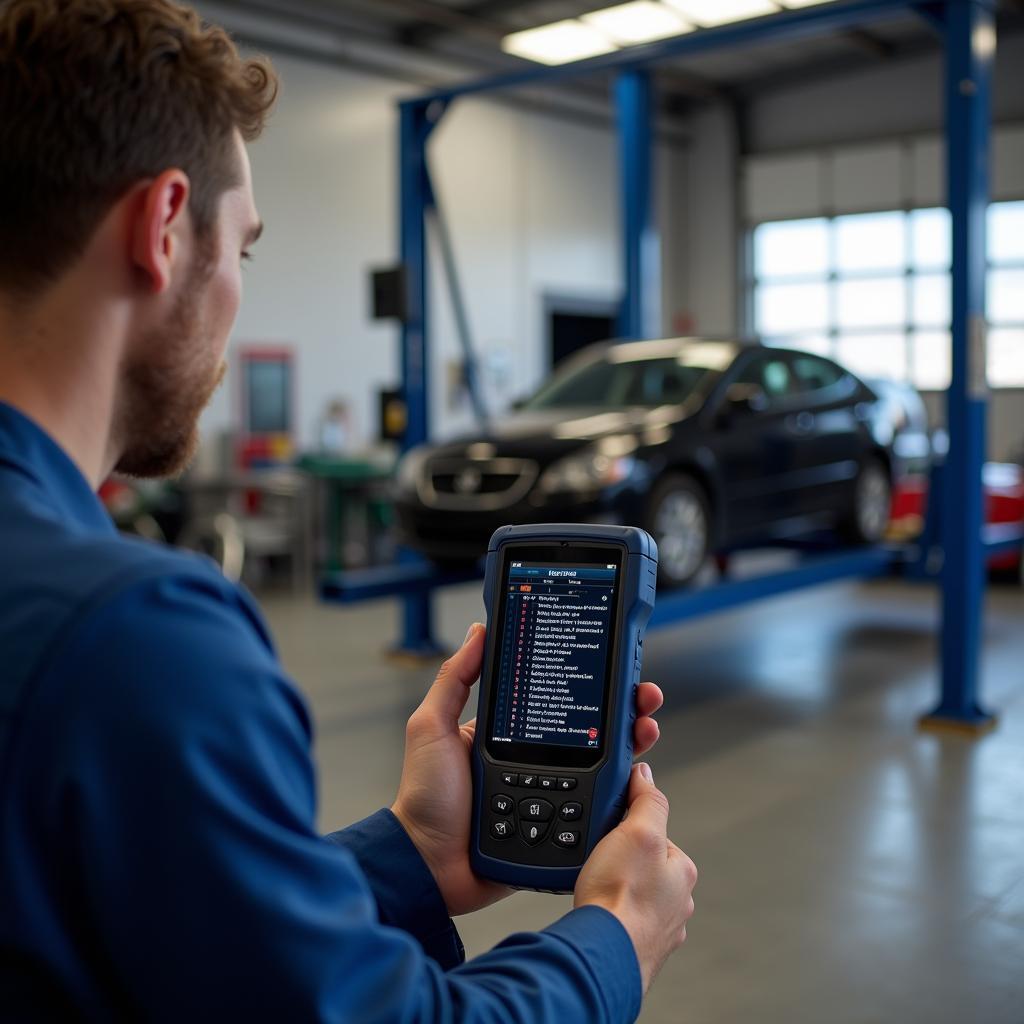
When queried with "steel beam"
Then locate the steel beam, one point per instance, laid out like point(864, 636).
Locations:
point(416, 119)
point(787, 25)
point(970, 33)
point(640, 311)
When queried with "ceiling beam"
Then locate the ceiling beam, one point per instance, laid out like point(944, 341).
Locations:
point(422, 31)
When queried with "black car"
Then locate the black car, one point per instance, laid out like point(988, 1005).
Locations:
point(709, 445)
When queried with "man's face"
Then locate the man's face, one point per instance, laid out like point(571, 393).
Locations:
point(171, 375)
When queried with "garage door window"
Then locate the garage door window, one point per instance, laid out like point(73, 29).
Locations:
point(873, 291)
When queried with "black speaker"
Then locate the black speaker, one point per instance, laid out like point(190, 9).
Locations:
point(387, 290)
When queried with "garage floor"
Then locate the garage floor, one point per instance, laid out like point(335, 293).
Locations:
point(852, 869)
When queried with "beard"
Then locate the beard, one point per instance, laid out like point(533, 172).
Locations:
point(166, 387)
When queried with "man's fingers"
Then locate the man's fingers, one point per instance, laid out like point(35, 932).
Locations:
point(648, 806)
point(649, 698)
point(645, 735)
point(448, 696)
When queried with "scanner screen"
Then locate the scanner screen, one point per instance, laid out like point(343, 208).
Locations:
point(552, 659)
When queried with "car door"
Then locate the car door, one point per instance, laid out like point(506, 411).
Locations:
point(755, 447)
point(830, 435)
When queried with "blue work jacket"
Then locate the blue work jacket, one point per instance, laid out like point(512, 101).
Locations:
point(158, 856)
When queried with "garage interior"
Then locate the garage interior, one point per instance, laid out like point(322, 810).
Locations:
point(783, 176)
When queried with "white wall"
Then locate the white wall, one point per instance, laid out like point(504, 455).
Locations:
point(532, 207)
point(324, 179)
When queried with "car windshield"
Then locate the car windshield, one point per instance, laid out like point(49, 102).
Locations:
point(612, 384)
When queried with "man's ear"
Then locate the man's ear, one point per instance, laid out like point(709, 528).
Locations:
point(160, 226)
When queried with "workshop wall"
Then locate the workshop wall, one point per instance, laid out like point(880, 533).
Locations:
point(533, 209)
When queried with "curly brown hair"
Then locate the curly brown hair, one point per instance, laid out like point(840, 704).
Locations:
point(97, 95)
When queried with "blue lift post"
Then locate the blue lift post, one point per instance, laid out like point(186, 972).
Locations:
point(967, 27)
point(640, 261)
point(970, 38)
point(417, 119)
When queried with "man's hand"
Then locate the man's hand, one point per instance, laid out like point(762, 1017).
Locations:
point(642, 877)
point(435, 795)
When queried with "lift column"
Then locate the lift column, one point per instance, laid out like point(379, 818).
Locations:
point(641, 313)
point(417, 119)
point(970, 38)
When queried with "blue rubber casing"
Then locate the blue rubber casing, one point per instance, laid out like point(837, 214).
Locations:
point(604, 785)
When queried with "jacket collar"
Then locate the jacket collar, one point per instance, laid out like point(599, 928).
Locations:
point(56, 482)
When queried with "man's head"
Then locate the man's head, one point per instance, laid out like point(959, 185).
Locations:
point(122, 129)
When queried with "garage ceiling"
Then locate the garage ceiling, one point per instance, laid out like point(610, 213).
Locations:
point(436, 41)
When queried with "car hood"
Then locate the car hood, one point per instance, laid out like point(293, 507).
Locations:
point(549, 434)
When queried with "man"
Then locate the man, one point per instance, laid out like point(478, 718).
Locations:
point(158, 858)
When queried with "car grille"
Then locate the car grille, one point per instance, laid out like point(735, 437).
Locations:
point(482, 484)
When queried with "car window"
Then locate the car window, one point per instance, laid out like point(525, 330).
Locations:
point(597, 383)
point(771, 374)
point(615, 384)
point(814, 374)
point(663, 382)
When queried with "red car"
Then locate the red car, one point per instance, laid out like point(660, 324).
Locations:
point(1004, 503)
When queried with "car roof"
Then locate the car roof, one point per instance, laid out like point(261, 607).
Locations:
point(720, 352)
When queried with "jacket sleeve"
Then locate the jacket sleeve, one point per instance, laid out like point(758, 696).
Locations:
point(405, 891)
point(180, 791)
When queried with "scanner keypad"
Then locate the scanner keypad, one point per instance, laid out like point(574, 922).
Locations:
point(536, 819)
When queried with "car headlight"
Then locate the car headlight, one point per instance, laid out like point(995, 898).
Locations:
point(586, 472)
point(410, 468)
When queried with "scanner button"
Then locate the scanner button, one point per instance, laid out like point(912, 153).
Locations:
point(546, 782)
point(529, 781)
point(567, 837)
point(535, 810)
point(566, 784)
point(533, 831)
point(502, 804)
point(501, 829)
point(571, 812)
point(510, 778)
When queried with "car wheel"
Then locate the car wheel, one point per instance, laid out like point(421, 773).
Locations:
point(679, 519)
point(868, 517)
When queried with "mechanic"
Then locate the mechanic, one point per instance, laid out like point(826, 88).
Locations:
point(158, 857)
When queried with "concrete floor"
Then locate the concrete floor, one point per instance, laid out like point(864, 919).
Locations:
point(852, 869)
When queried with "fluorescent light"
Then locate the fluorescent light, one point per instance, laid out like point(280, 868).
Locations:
point(641, 21)
point(719, 12)
point(558, 43)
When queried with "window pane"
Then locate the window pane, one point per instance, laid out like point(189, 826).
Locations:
point(1006, 358)
point(875, 302)
point(930, 242)
point(1006, 296)
point(874, 355)
point(790, 248)
point(871, 241)
point(930, 353)
point(931, 300)
point(1006, 232)
point(781, 308)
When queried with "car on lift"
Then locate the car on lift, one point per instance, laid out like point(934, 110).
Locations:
point(710, 445)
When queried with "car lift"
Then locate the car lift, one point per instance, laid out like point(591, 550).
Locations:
point(956, 544)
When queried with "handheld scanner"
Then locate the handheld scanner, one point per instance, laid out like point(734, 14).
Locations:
point(567, 606)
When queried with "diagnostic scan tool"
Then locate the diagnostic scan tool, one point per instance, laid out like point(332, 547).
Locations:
point(566, 610)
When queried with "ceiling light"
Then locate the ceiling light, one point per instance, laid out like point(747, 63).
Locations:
point(558, 43)
point(641, 21)
point(719, 12)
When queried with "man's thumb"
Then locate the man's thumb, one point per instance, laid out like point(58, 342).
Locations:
point(647, 804)
point(450, 691)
